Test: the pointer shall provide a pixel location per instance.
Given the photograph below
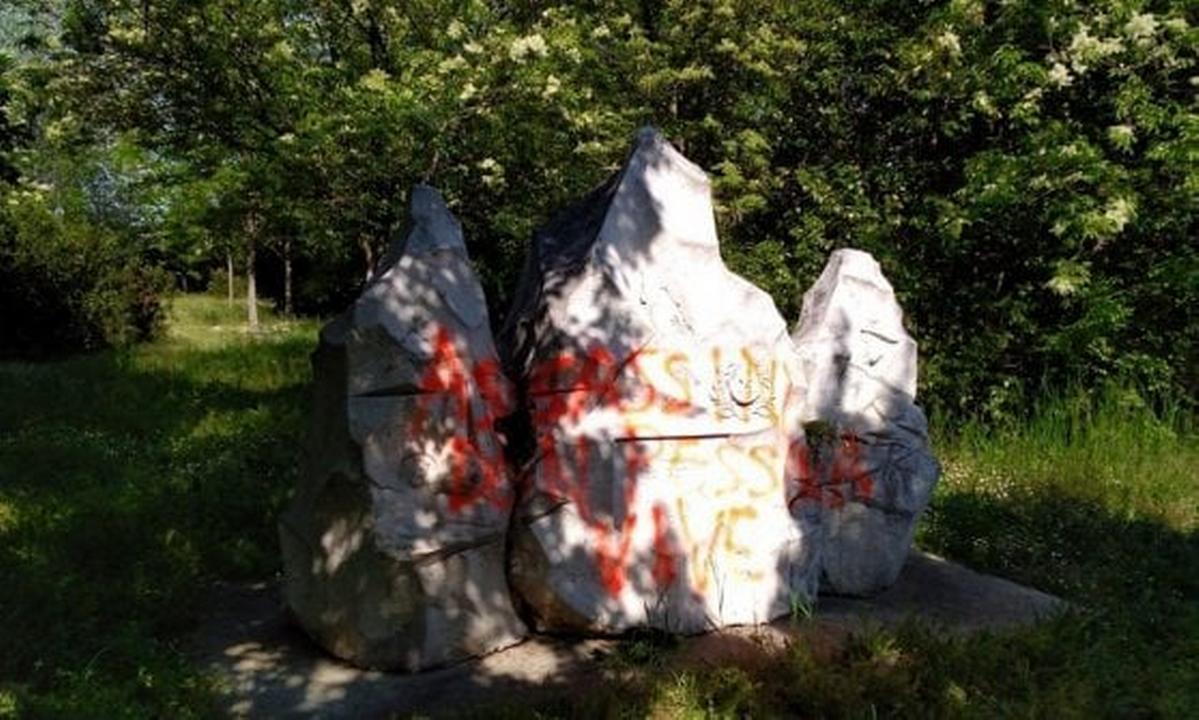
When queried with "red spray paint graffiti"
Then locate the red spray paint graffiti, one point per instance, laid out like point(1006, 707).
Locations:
point(665, 555)
point(474, 443)
point(565, 387)
point(564, 390)
point(847, 474)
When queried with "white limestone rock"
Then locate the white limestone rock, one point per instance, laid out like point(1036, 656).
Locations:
point(866, 469)
point(393, 545)
point(658, 384)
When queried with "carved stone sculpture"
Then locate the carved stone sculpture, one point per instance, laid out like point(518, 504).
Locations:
point(865, 468)
point(394, 544)
point(658, 385)
point(684, 463)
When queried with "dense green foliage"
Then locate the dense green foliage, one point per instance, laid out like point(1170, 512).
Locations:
point(73, 274)
point(66, 286)
point(1027, 171)
point(134, 478)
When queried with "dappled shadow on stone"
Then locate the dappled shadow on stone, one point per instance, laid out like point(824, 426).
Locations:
point(660, 395)
point(393, 544)
point(672, 478)
point(942, 593)
point(656, 383)
point(271, 669)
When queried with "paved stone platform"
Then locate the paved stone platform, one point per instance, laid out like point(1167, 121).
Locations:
point(270, 669)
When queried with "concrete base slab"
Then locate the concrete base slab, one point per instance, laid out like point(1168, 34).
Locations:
point(270, 669)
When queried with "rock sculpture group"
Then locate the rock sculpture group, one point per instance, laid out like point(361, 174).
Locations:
point(673, 458)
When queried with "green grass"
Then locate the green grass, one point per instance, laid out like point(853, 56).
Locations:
point(130, 480)
point(1096, 499)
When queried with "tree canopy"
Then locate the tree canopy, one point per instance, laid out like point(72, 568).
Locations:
point(1027, 172)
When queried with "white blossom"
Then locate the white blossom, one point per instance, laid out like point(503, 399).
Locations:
point(375, 80)
point(493, 172)
point(982, 102)
point(1121, 135)
point(950, 43)
point(522, 47)
point(1060, 75)
point(1142, 27)
point(1118, 212)
point(451, 64)
point(1085, 49)
point(1176, 24)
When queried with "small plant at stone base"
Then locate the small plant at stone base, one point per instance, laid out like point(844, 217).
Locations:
point(643, 648)
point(802, 608)
point(821, 438)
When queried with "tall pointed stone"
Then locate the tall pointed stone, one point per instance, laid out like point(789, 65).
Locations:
point(658, 384)
point(393, 545)
point(866, 469)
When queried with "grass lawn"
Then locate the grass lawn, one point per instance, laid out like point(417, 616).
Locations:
point(131, 479)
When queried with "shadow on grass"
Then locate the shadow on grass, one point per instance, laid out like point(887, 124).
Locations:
point(128, 481)
point(1127, 649)
point(1132, 649)
point(1071, 547)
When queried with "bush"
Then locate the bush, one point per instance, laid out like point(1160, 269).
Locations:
point(65, 288)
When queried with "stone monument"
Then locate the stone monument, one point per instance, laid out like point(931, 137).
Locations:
point(863, 467)
point(684, 463)
point(659, 385)
point(394, 543)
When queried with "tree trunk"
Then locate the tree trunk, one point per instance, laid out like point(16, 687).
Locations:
point(368, 255)
point(251, 286)
point(287, 306)
point(229, 273)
